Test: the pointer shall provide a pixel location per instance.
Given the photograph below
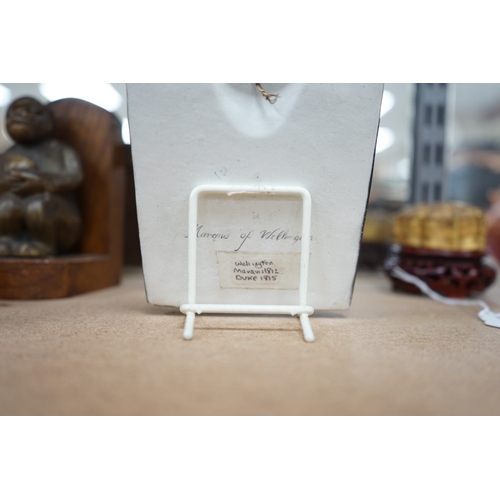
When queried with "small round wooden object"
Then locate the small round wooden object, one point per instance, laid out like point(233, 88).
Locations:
point(443, 244)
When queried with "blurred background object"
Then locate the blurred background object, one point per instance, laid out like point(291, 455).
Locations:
point(443, 244)
point(391, 175)
point(39, 175)
point(458, 155)
point(377, 233)
point(96, 262)
point(110, 96)
point(428, 175)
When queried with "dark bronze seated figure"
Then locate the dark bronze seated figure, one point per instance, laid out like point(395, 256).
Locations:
point(38, 176)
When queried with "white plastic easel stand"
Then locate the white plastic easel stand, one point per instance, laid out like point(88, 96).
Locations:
point(303, 310)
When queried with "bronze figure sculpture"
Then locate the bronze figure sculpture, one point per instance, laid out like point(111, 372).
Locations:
point(39, 215)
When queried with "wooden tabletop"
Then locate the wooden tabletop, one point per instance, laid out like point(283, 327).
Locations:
point(111, 353)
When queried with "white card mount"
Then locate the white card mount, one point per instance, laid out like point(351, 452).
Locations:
point(316, 136)
point(301, 309)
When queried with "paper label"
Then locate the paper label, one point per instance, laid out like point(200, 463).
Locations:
point(278, 271)
point(489, 318)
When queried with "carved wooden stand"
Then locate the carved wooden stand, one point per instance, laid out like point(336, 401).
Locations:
point(452, 274)
point(96, 135)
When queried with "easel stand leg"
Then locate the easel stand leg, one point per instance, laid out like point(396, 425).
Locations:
point(189, 326)
point(306, 328)
point(302, 310)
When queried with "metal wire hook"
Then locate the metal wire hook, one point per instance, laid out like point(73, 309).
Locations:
point(272, 98)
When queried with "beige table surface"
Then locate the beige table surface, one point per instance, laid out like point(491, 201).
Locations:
point(110, 353)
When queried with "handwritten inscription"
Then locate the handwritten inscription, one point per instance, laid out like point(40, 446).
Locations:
point(201, 233)
point(255, 270)
point(263, 270)
point(242, 237)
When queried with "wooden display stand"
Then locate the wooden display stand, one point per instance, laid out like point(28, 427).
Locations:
point(97, 259)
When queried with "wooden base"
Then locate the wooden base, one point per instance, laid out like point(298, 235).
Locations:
point(452, 274)
point(54, 277)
